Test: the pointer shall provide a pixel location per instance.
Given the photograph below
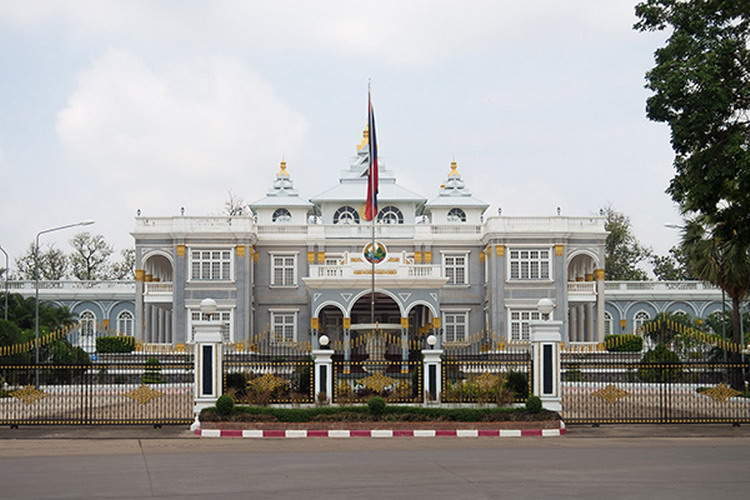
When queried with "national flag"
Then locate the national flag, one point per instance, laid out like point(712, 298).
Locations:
point(371, 206)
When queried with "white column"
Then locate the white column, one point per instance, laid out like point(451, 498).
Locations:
point(432, 375)
point(545, 339)
point(574, 323)
point(208, 358)
point(590, 334)
point(599, 275)
point(323, 374)
point(580, 313)
point(162, 336)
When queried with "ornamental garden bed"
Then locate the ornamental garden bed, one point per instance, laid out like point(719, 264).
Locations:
point(376, 415)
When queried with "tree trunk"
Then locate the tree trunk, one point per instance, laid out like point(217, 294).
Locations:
point(735, 358)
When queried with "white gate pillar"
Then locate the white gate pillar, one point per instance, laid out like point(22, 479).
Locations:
point(432, 371)
point(207, 359)
point(545, 338)
point(323, 370)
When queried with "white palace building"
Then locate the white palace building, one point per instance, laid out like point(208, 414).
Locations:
point(295, 267)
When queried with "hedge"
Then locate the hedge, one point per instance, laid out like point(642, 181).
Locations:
point(626, 342)
point(363, 413)
point(115, 344)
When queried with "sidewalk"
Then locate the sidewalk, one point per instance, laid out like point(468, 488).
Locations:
point(182, 431)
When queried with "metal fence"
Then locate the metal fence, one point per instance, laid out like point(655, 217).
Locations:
point(481, 371)
point(261, 372)
point(397, 381)
point(134, 388)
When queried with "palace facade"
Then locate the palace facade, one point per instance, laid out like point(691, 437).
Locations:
point(295, 268)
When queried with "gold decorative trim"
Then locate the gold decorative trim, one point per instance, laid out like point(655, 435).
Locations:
point(482, 256)
point(377, 271)
point(559, 250)
point(149, 277)
point(314, 323)
point(239, 250)
point(404, 322)
point(418, 257)
point(579, 278)
point(321, 257)
point(29, 394)
point(377, 382)
point(140, 274)
point(180, 250)
point(268, 382)
point(610, 394)
point(310, 257)
point(436, 322)
point(105, 324)
point(427, 258)
point(588, 277)
point(143, 394)
point(500, 250)
point(393, 259)
point(180, 347)
point(347, 323)
point(599, 274)
point(356, 259)
point(721, 393)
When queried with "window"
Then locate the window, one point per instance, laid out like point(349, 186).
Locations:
point(283, 270)
point(345, 215)
point(455, 269)
point(284, 326)
point(607, 323)
point(390, 215)
point(519, 323)
point(529, 264)
point(125, 323)
point(640, 318)
point(456, 215)
point(211, 264)
point(225, 316)
point(455, 326)
point(87, 323)
point(281, 215)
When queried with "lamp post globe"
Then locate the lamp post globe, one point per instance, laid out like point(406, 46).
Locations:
point(208, 307)
point(431, 341)
point(324, 340)
point(545, 306)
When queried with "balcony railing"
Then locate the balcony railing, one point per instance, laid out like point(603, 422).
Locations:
point(159, 288)
point(113, 285)
point(359, 271)
point(581, 288)
point(658, 285)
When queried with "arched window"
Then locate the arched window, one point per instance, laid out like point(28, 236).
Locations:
point(390, 215)
point(87, 323)
point(640, 318)
point(456, 215)
point(346, 215)
point(281, 215)
point(607, 323)
point(125, 323)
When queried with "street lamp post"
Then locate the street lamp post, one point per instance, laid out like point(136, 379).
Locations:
point(36, 285)
point(7, 270)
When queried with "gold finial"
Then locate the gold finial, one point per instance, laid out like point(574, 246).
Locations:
point(454, 169)
point(442, 186)
point(365, 139)
point(282, 170)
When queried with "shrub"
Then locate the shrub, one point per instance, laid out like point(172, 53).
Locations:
point(237, 382)
point(660, 365)
point(623, 343)
point(112, 344)
point(376, 405)
point(533, 404)
point(224, 405)
point(518, 384)
point(152, 373)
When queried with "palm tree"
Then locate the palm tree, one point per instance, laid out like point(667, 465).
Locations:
point(717, 257)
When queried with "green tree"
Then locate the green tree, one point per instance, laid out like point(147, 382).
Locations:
point(672, 267)
point(125, 269)
point(53, 264)
point(21, 313)
point(624, 252)
point(701, 90)
point(725, 263)
point(90, 257)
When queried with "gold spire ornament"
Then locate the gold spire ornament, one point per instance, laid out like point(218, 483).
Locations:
point(282, 170)
point(365, 139)
point(454, 170)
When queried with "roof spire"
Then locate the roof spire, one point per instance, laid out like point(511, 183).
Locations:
point(282, 169)
point(454, 169)
point(365, 139)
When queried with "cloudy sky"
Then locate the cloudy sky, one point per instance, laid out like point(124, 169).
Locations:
point(112, 106)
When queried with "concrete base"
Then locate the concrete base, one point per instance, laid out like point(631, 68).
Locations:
point(552, 404)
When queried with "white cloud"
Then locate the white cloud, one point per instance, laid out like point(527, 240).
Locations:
point(393, 31)
point(187, 128)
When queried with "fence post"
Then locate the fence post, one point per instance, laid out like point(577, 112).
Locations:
point(545, 340)
point(208, 360)
point(323, 370)
point(432, 374)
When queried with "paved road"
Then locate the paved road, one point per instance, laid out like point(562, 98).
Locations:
point(566, 467)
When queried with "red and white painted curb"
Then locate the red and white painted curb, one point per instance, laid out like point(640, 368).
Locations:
point(380, 433)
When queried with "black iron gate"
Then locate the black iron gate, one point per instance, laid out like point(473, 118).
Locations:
point(131, 388)
point(677, 375)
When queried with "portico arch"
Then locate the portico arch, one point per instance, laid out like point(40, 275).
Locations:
point(380, 291)
point(330, 303)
